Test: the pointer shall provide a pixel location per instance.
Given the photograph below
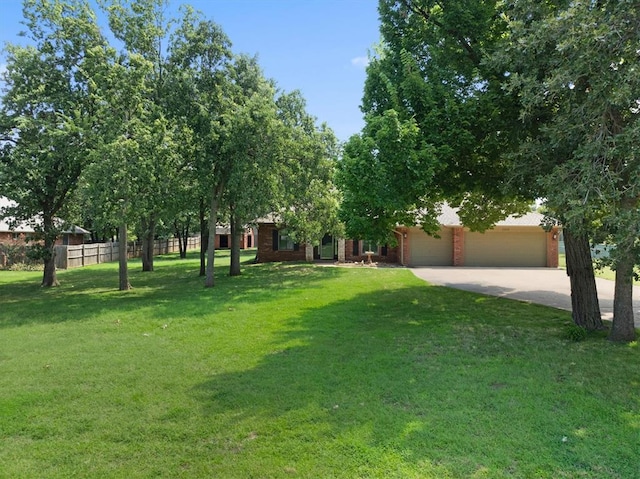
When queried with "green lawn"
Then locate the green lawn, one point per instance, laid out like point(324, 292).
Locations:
point(604, 272)
point(303, 372)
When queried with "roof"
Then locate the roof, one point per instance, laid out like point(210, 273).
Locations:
point(26, 227)
point(268, 219)
point(449, 217)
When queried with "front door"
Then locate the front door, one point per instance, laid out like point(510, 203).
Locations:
point(327, 247)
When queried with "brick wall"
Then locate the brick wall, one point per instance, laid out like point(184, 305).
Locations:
point(266, 253)
point(458, 246)
point(74, 240)
point(552, 247)
point(392, 255)
point(247, 240)
point(6, 237)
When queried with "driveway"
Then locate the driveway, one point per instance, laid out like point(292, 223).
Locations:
point(536, 285)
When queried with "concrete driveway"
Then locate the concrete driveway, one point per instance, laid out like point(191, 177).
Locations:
point(536, 285)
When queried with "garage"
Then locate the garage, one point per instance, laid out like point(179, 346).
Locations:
point(516, 241)
point(425, 250)
point(506, 246)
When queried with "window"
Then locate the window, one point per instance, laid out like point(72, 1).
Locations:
point(285, 243)
point(369, 246)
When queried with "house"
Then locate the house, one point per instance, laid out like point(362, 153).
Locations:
point(514, 241)
point(21, 232)
point(275, 244)
point(223, 238)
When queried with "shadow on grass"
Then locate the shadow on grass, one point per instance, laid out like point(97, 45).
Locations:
point(425, 382)
point(172, 289)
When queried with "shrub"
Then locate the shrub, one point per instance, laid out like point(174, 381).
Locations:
point(18, 255)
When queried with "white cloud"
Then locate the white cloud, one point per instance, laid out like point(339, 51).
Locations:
point(360, 62)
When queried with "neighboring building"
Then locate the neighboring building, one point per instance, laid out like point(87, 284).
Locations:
point(223, 238)
point(514, 241)
point(21, 232)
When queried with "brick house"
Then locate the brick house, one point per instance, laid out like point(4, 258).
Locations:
point(516, 241)
point(223, 238)
point(21, 233)
point(275, 245)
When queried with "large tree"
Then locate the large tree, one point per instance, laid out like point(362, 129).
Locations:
point(47, 128)
point(434, 68)
point(427, 79)
point(308, 198)
point(199, 59)
point(250, 144)
point(128, 141)
point(143, 28)
point(386, 173)
point(279, 161)
point(574, 68)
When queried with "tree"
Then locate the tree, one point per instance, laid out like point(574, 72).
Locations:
point(530, 164)
point(385, 174)
point(199, 58)
point(578, 62)
point(143, 28)
point(127, 135)
point(47, 128)
point(428, 80)
point(250, 138)
point(435, 68)
point(308, 198)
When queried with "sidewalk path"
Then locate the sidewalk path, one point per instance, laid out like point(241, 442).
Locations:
point(546, 286)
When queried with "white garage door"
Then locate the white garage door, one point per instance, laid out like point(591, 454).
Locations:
point(425, 250)
point(506, 247)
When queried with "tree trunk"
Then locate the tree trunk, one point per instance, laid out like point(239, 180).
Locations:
point(623, 328)
point(185, 238)
point(49, 278)
point(211, 242)
point(123, 270)
point(182, 232)
point(178, 232)
point(584, 295)
point(148, 240)
point(204, 237)
point(236, 234)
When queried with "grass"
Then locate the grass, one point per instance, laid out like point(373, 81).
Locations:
point(301, 371)
point(604, 272)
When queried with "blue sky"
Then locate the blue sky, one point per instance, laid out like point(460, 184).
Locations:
point(316, 46)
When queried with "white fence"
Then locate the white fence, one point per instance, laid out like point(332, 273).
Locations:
point(95, 253)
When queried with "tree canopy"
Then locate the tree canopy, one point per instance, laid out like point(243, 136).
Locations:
point(574, 67)
point(167, 124)
point(437, 122)
point(489, 105)
point(47, 114)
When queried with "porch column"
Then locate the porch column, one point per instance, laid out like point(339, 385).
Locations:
point(341, 250)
